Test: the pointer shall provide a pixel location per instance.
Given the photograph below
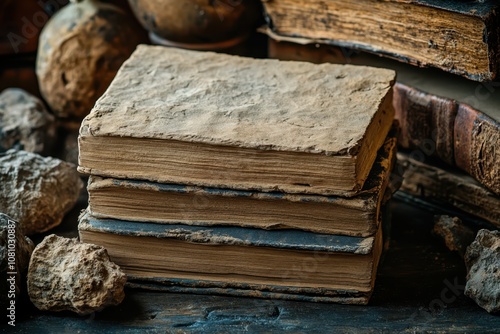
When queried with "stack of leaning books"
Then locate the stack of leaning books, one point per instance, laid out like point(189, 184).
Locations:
point(219, 174)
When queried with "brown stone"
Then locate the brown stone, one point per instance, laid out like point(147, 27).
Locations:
point(37, 191)
point(65, 274)
point(81, 49)
point(197, 21)
point(25, 123)
point(456, 236)
point(483, 270)
point(15, 252)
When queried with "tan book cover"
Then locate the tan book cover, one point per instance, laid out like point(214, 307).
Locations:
point(207, 119)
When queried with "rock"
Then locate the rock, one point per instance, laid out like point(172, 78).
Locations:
point(454, 233)
point(483, 270)
point(37, 191)
point(15, 252)
point(80, 50)
point(25, 122)
point(65, 274)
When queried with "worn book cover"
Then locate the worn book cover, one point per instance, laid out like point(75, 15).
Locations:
point(200, 118)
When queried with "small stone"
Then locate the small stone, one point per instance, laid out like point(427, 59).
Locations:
point(25, 123)
point(483, 270)
point(15, 252)
point(67, 275)
point(37, 191)
point(454, 233)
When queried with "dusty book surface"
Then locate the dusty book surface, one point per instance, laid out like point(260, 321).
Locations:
point(247, 114)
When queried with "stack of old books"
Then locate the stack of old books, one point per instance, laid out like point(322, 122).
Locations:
point(449, 113)
point(219, 174)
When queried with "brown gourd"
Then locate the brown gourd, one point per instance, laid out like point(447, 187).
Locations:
point(80, 50)
point(197, 21)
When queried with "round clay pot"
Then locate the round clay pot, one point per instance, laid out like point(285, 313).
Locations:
point(197, 21)
point(80, 50)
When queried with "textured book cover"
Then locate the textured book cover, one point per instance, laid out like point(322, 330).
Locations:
point(200, 118)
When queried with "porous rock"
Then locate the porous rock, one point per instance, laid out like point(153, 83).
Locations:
point(456, 236)
point(15, 252)
point(80, 50)
point(37, 191)
point(25, 123)
point(483, 270)
point(65, 274)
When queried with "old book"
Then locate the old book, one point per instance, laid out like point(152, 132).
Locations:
point(172, 203)
point(461, 37)
point(206, 119)
point(289, 264)
point(440, 114)
point(455, 132)
point(449, 187)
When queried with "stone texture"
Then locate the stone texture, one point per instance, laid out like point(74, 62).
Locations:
point(456, 236)
point(12, 243)
point(25, 123)
point(65, 274)
point(37, 191)
point(483, 270)
point(80, 50)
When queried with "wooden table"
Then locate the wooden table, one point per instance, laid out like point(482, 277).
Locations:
point(419, 288)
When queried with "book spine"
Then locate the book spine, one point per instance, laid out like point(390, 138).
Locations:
point(476, 139)
point(427, 121)
point(454, 132)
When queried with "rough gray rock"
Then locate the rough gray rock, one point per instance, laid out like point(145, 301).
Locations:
point(25, 122)
point(454, 233)
point(483, 270)
point(65, 274)
point(15, 252)
point(37, 191)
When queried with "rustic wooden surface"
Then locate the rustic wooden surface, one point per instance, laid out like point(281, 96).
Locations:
point(412, 295)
